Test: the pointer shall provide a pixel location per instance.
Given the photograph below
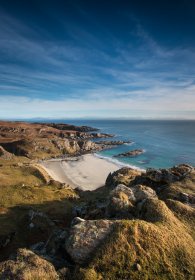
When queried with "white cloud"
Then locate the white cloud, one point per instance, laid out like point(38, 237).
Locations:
point(176, 104)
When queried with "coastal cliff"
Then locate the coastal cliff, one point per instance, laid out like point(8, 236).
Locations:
point(139, 225)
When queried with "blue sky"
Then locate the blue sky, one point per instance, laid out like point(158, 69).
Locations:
point(97, 59)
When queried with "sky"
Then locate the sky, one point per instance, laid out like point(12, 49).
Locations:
point(97, 59)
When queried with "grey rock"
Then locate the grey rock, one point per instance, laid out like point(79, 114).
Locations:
point(143, 192)
point(85, 237)
point(120, 202)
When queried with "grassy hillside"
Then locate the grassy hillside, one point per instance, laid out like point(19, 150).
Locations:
point(25, 186)
point(139, 249)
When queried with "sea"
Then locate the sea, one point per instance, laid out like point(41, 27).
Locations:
point(165, 143)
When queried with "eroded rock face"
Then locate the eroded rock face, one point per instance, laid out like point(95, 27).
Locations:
point(170, 175)
point(27, 266)
point(85, 237)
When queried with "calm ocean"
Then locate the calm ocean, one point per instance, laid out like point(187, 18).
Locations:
point(166, 143)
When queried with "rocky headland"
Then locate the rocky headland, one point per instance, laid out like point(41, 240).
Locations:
point(47, 140)
point(139, 225)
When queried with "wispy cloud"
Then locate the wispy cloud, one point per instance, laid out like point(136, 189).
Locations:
point(44, 77)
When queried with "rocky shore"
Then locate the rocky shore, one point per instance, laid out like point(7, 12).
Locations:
point(138, 225)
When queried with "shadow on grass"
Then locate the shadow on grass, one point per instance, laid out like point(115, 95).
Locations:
point(15, 229)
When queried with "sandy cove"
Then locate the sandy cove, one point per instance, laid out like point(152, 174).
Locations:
point(87, 172)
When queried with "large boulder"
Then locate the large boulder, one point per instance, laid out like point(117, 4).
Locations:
point(123, 201)
point(142, 192)
point(27, 266)
point(120, 202)
point(85, 237)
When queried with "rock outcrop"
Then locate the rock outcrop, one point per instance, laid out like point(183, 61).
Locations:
point(124, 176)
point(142, 192)
point(121, 202)
point(131, 153)
point(170, 175)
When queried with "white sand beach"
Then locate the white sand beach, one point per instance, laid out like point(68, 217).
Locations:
point(88, 172)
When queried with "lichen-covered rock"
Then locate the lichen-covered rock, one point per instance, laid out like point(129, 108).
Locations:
point(85, 237)
point(143, 192)
point(27, 266)
point(120, 202)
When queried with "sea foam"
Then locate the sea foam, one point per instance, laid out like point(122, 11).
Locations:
point(119, 163)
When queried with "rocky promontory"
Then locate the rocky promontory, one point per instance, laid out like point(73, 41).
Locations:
point(47, 140)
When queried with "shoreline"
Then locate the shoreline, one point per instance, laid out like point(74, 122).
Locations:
point(86, 172)
point(118, 162)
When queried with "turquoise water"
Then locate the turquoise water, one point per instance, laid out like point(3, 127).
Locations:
point(166, 143)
